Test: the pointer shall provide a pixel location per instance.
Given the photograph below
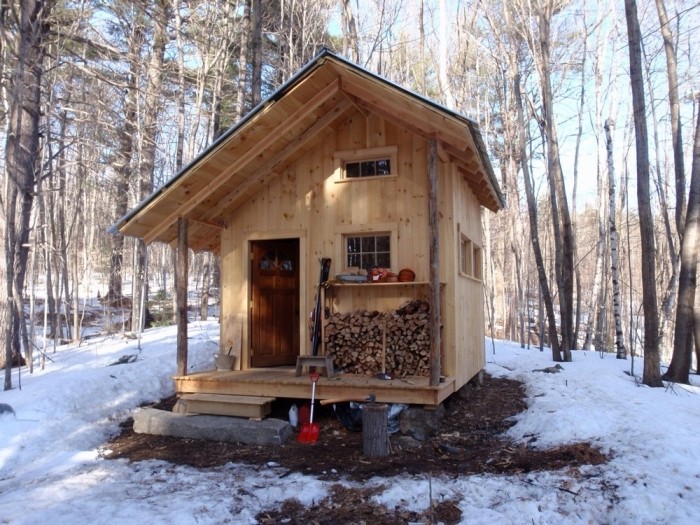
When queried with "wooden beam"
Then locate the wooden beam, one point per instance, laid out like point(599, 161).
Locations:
point(434, 226)
point(206, 239)
point(322, 96)
point(266, 169)
point(181, 296)
point(467, 156)
point(428, 120)
point(211, 224)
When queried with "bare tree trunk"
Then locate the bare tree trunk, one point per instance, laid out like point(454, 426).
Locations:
point(679, 369)
point(350, 47)
point(50, 302)
point(601, 243)
point(652, 366)
point(443, 76)
point(256, 52)
point(63, 260)
point(676, 129)
point(22, 150)
point(534, 229)
point(666, 265)
point(614, 254)
point(123, 164)
point(421, 32)
point(563, 231)
point(579, 133)
point(180, 93)
point(149, 132)
point(696, 329)
point(243, 60)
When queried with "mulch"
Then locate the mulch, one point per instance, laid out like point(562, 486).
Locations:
point(470, 442)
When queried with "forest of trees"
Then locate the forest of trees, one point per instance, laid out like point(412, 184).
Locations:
point(590, 109)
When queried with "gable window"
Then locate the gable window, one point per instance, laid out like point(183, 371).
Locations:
point(367, 251)
point(368, 168)
point(470, 261)
point(363, 164)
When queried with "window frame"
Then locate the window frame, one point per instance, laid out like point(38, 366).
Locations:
point(365, 235)
point(341, 158)
point(470, 258)
point(343, 232)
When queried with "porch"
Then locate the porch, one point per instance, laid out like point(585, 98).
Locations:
point(282, 382)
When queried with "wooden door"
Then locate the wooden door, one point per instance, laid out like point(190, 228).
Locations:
point(275, 302)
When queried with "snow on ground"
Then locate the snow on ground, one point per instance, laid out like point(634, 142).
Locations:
point(51, 472)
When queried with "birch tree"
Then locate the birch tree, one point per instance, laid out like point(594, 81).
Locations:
point(614, 252)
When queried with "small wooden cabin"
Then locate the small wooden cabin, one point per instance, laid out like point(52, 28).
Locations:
point(343, 164)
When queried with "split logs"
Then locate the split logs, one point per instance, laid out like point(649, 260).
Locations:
point(370, 342)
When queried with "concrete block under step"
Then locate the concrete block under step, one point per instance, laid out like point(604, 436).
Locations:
point(212, 428)
point(227, 405)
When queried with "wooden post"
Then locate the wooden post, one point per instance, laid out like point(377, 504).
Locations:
point(181, 296)
point(375, 431)
point(434, 225)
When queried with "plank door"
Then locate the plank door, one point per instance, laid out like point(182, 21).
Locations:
point(275, 302)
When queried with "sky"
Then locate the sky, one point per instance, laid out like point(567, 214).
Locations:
point(51, 470)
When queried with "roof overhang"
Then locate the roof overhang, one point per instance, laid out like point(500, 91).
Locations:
point(274, 135)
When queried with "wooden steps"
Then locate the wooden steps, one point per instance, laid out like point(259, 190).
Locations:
point(255, 407)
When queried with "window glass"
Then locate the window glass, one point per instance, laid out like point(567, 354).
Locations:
point(368, 251)
point(352, 169)
point(470, 261)
point(268, 261)
point(367, 168)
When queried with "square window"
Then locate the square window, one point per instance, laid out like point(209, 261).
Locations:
point(368, 251)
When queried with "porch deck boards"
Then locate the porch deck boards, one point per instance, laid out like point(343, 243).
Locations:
point(282, 382)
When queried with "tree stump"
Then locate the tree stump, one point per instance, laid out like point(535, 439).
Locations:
point(375, 434)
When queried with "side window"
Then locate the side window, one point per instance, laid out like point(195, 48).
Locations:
point(367, 168)
point(470, 258)
point(368, 251)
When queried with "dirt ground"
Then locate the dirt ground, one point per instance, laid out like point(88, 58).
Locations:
point(470, 442)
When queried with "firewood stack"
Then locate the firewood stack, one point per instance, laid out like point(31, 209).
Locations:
point(357, 343)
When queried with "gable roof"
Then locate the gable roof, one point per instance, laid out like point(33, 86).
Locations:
point(274, 134)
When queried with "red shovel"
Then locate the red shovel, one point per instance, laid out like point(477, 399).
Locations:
point(309, 431)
